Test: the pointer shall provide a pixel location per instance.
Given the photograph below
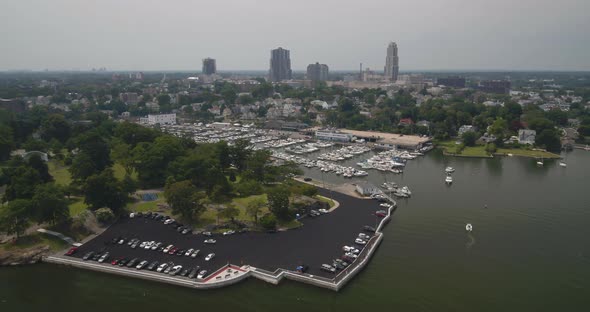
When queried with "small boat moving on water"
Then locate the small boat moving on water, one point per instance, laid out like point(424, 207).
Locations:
point(469, 227)
point(540, 162)
point(450, 170)
point(449, 179)
point(562, 164)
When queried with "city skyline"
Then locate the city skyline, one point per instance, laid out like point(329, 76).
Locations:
point(66, 34)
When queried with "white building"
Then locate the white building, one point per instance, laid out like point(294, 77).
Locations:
point(163, 119)
point(332, 135)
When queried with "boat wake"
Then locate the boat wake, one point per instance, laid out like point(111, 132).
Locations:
point(471, 241)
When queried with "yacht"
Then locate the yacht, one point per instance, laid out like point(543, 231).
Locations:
point(450, 170)
point(469, 227)
point(449, 179)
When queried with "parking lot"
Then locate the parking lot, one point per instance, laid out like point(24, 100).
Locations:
point(319, 241)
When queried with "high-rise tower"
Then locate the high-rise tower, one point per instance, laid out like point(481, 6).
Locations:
point(317, 72)
point(280, 65)
point(391, 62)
point(209, 67)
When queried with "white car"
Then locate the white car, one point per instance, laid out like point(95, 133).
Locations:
point(132, 215)
point(162, 267)
point(350, 254)
point(189, 252)
point(195, 253)
point(210, 241)
point(230, 232)
point(167, 249)
point(156, 246)
point(202, 274)
point(384, 205)
point(360, 241)
point(168, 221)
point(149, 245)
point(141, 265)
point(323, 210)
point(364, 236)
point(142, 245)
point(209, 256)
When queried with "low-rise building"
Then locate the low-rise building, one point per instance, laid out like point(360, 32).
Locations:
point(466, 128)
point(366, 189)
point(333, 135)
point(526, 136)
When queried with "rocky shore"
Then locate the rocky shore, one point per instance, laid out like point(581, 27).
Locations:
point(23, 256)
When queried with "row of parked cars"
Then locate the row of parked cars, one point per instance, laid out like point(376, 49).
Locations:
point(180, 228)
point(165, 267)
point(319, 212)
point(350, 252)
point(159, 246)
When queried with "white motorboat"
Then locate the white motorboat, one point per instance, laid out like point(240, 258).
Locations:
point(562, 164)
point(539, 163)
point(469, 227)
point(449, 179)
point(450, 170)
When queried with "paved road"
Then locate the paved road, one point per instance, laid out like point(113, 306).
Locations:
point(319, 241)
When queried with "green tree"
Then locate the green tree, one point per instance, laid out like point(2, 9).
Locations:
point(268, 221)
point(55, 127)
point(50, 204)
point(278, 203)
point(549, 139)
point(82, 167)
point(184, 199)
point(105, 215)
point(15, 217)
point(253, 208)
point(104, 190)
point(6, 142)
point(41, 167)
point(229, 212)
point(469, 138)
point(22, 183)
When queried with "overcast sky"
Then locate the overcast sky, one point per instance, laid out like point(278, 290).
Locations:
point(177, 34)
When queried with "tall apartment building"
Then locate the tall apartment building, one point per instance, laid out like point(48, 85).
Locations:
point(209, 66)
point(392, 62)
point(317, 72)
point(280, 65)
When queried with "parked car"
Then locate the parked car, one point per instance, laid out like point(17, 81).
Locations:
point(156, 245)
point(168, 221)
point(173, 250)
point(210, 241)
point(189, 252)
point(186, 230)
point(369, 229)
point(183, 272)
point(230, 232)
point(167, 249)
point(71, 251)
point(350, 249)
point(302, 268)
point(96, 256)
point(209, 256)
point(141, 265)
point(132, 262)
point(381, 213)
point(328, 268)
point(342, 262)
point(337, 265)
point(152, 266)
point(122, 241)
point(364, 236)
point(323, 211)
point(180, 252)
point(360, 241)
point(195, 253)
point(162, 267)
point(116, 261)
point(207, 233)
point(306, 179)
point(104, 257)
point(149, 245)
point(169, 268)
point(193, 273)
point(88, 255)
point(351, 255)
point(122, 262)
point(202, 274)
point(175, 270)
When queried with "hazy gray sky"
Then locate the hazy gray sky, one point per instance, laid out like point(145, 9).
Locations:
point(177, 34)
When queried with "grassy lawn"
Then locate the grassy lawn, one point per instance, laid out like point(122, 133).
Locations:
point(475, 151)
point(289, 225)
point(326, 200)
point(59, 172)
point(77, 206)
point(150, 205)
point(526, 153)
point(35, 240)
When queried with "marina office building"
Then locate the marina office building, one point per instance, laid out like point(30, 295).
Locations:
point(333, 135)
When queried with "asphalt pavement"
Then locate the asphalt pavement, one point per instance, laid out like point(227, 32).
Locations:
point(319, 241)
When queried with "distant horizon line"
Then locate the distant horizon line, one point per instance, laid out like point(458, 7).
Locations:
point(294, 70)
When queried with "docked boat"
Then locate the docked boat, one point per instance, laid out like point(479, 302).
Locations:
point(449, 170)
point(449, 179)
point(469, 227)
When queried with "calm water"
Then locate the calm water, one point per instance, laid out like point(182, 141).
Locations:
point(530, 251)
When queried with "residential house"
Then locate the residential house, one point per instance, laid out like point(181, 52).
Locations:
point(466, 128)
point(526, 136)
